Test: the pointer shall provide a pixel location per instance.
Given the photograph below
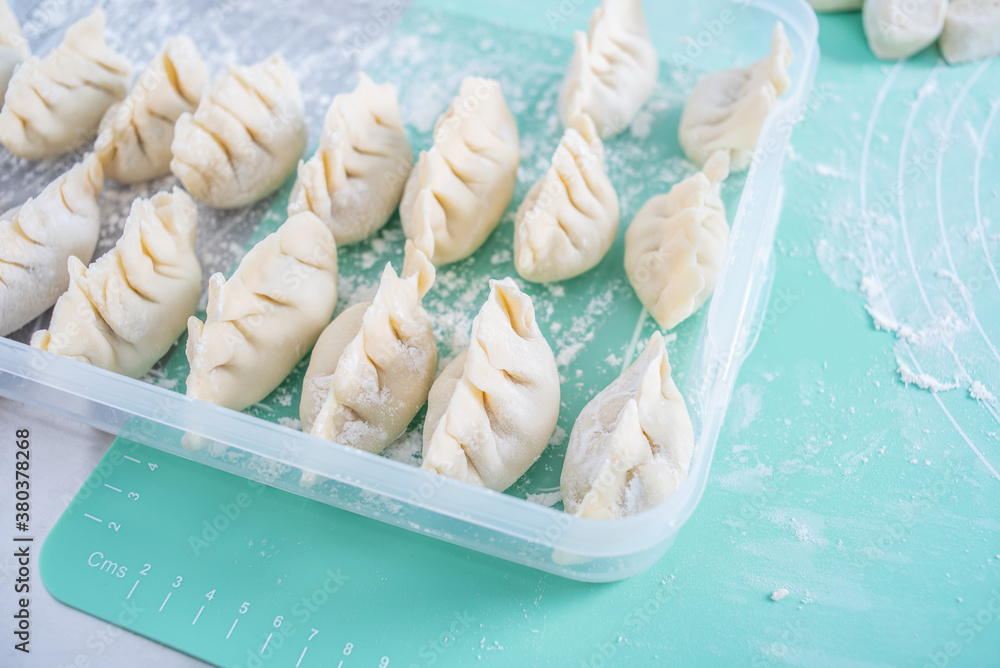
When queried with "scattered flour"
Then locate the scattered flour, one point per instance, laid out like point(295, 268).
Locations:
point(922, 380)
point(779, 594)
point(978, 391)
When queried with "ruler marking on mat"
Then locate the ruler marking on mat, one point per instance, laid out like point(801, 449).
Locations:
point(110, 487)
point(301, 656)
point(200, 610)
point(92, 517)
point(269, 635)
point(165, 601)
point(132, 590)
point(132, 459)
point(630, 352)
point(232, 627)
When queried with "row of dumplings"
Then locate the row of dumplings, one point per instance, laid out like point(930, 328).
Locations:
point(494, 407)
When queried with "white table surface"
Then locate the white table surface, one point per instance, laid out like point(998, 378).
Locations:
point(63, 453)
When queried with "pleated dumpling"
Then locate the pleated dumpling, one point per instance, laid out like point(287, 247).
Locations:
point(54, 104)
point(38, 238)
point(971, 31)
point(124, 311)
point(461, 187)
point(266, 317)
point(613, 69)
point(675, 245)
point(726, 110)
point(494, 408)
point(134, 142)
point(13, 46)
point(569, 219)
point(355, 180)
point(245, 137)
point(631, 446)
point(372, 368)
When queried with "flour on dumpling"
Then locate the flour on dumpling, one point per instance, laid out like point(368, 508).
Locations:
point(461, 187)
point(38, 238)
point(613, 69)
point(726, 110)
point(355, 180)
point(631, 446)
point(125, 311)
point(245, 137)
point(54, 104)
point(13, 46)
point(494, 408)
point(569, 219)
point(136, 134)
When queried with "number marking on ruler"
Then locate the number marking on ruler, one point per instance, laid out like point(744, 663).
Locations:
point(110, 487)
point(165, 601)
point(96, 519)
point(265, 642)
point(232, 627)
point(300, 657)
point(132, 590)
point(197, 616)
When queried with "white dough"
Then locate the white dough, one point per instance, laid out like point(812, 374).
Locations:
point(245, 137)
point(726, 110)
point(492, 411)
point(898, 29)
point(631, 446)
point(569, 219)
point(836, 5)
point(355, 180)
point(613, 69)
point(13, 46)
point(372, 368)
point(266, 317)
point(124, 311)
point(971, 31)
point(461, 187)
point(135, 137)
point(675, 245)
point(38, 238)
point(54, 104)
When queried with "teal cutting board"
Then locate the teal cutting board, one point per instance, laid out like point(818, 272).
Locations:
point(874, 503)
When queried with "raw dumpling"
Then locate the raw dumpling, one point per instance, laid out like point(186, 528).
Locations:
point(613, 69)
point(13, 46)
point(38, 238)
point(460, 189)
point(134, 142)
point(836, 5)
point(675, 245)
point(900, 28)
point(373, 366)
point(245, 137)
point(971, 31)
point(726, 110)
point(631, 446)
point(492, 411)
point(356, 178)
point(266, 317)
point(55, 103)
point(124, 311)
point(569, 219)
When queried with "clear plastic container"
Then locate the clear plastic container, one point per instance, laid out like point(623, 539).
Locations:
point(500, 524)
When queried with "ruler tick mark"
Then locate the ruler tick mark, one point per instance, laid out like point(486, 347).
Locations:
point(132, 590)
point(265, 642)
point(197, 616)
point(232, 627)
point(300, 657)
point(165, 601)
point(110, 487)
point(91, 517)
point(132, 459)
